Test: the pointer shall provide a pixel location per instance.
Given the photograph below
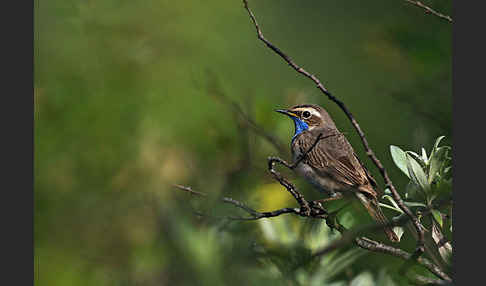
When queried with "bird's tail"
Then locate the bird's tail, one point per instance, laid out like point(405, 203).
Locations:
point(373, 208)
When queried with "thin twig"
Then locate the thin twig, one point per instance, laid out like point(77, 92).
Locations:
point(254, 213)
point(429, 10)
point(318, 212)
point(350, 235)
point(369, 151)
point(189, 190)
point(383, 248)
point(422, 280)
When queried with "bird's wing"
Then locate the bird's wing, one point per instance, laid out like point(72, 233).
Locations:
point(368, 175)
point(333, 156)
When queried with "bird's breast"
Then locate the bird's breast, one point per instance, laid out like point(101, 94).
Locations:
point(321, 181)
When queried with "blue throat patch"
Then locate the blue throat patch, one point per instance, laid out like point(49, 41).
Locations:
point(300, 126)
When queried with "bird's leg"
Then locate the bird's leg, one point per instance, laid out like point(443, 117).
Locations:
point(305, 209)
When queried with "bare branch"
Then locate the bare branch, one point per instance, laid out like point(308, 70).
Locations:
point(306, 209)
point(254, 214)
point(369, 151)
point(350, 235)
point(316, 211)
point(422, 280)
point(353, 234)
point(189, 190)
point(375, 246)
point(429, 10)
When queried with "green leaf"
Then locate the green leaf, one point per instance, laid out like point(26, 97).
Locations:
point(436, 163)
point(398, 230)
point(416, 173)
point(446, 174)
point(390, 207)
point(399, 158)
point(391, 200)
point(415, 156)
point(414, 204)
point(336, 263)
point(412, 190)
point(424, 156)
point(436, 144)
point(437, 217)
point(363, 279)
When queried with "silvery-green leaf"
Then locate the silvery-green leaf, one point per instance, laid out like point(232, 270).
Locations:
point(436, 145)
point(400, 159)
point(415, 156)
point(411, 190)
point(384, 278)
point(436, 163)
point(424, 156)
point(334, 265)
point(416, 173)
point(390, 207)
point(391, 200)
point(437, 217)
point(363, 279)
point(437, 142)
point(398, 230)
point(414, 204)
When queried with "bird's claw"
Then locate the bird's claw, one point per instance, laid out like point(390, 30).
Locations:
point(305, 210)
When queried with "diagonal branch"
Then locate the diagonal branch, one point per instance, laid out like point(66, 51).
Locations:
point(430, 10)
point(375, 246)
point(369, 152)
point(317, 211)
point(254, 214)
point(422, 280)
point(401, 220)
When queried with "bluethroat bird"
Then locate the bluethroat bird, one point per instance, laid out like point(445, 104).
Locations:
point(330, 164)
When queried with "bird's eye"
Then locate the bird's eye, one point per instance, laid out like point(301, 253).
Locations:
point(306, 114)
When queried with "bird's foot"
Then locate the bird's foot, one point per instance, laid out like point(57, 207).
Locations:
point(305, 210)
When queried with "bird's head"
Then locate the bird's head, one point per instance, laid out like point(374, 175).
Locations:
point(308, 117)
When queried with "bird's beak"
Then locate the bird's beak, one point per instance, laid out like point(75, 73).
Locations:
point(287, 112)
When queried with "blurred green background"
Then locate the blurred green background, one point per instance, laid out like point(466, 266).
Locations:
point(132, 97)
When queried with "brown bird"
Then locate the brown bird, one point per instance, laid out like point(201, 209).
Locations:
point(331, 165)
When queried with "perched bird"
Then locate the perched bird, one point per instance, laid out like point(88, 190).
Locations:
point(330, 164)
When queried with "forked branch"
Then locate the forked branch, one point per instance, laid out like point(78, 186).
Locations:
point(316, 210)
point(369, 151)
